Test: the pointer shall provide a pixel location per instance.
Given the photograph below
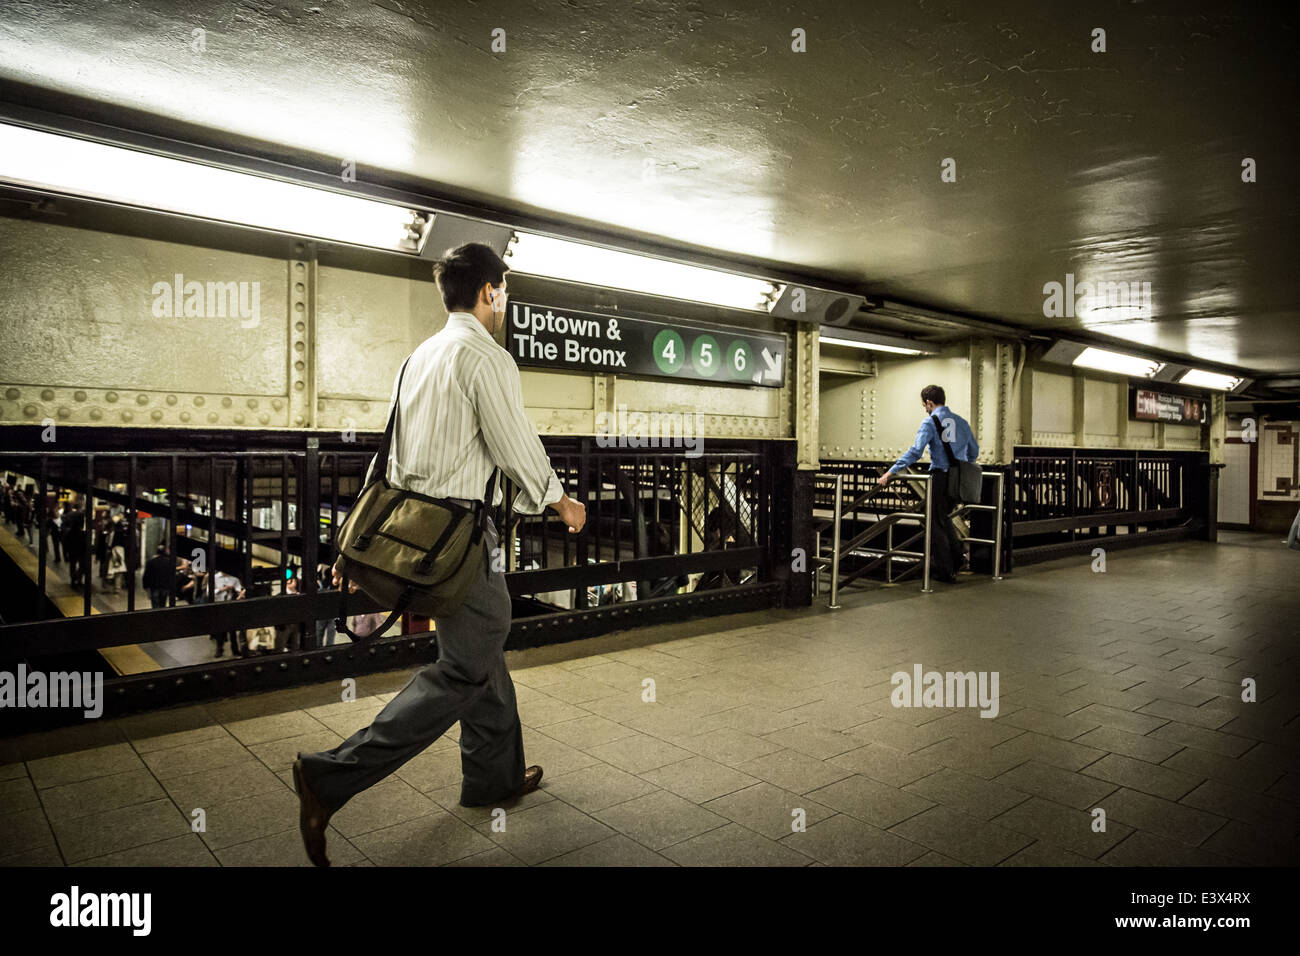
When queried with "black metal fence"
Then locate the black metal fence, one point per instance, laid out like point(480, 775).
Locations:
point(1063, 500)
point(652, 519)
point(1060, 501)
point(669, 534)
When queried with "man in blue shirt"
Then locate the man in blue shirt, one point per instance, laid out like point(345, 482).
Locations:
point(947, 553)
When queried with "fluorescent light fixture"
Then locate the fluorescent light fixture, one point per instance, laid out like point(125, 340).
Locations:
point(871, 346)
point(50, 162)
point(1200, 378)
point(872, 341)
point(1117, 362)
point(591, 265)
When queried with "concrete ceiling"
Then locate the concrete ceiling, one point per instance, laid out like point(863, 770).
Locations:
point(697, 123)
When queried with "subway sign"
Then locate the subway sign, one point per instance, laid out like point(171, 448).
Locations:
point(547, 337)
point(1152, 406)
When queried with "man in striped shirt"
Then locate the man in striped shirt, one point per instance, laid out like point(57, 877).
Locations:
point(461, 414)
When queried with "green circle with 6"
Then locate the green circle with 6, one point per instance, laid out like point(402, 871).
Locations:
point(739, 360)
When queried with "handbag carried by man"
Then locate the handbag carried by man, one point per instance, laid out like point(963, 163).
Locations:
point(965, 478)
point(408, 551)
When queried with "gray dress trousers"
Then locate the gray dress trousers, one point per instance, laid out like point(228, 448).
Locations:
point(469, 682)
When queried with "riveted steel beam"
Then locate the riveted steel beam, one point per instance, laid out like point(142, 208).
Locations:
point(303, 402)
point(806, 413)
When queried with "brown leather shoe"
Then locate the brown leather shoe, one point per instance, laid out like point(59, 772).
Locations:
point(312, 817)
point(532, 779)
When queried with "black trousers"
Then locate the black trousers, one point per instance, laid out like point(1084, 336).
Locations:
point(237, 646)
point(946, 549)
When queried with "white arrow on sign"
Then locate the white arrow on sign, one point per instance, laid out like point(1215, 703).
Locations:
point(773, 364)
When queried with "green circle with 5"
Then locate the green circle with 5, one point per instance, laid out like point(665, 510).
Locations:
point(706, 355)
point(669, 352)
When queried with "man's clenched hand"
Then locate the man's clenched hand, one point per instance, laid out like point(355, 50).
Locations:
point(573, 513)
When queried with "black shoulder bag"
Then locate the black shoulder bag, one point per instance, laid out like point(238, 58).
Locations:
point(965, 478)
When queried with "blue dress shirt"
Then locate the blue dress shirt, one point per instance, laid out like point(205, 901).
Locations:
point(962, 440)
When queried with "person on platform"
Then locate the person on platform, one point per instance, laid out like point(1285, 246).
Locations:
point(103, 550)
point(326, 580)
point(160, 576)
point(227, 587)
point(74, 542)
point(54, 534)
point(462, 397)
point(23, 515)
point(119, 548)
point(288, 636)
point(941, 424)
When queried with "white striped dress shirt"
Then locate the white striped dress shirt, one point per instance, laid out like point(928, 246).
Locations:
point(463, 412)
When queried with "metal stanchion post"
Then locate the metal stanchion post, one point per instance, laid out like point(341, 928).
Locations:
point(817, 564)
point(997, 531)
point(835, 553)
point(929, 507)
point(889, 555)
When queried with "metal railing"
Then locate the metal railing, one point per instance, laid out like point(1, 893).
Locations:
point(642, 508)
point(693, 534)
point(666, 522)
point(874, 557)
point(841, 549)
point(997, 510)
point(1064, 500)
point(1078, 483)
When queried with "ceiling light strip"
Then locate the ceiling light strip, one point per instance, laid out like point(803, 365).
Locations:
point(552, 258)
point(1201, 378)
point(66, 165)
point(1119, 363)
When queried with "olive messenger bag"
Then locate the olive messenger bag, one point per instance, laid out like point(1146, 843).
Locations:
point(408, 551)
point(965, 478)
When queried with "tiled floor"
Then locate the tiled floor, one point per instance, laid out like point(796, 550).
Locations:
point(772, 741)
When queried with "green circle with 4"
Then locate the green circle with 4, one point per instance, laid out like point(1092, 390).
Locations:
point(739, 361)
point(669, 351)
point(706, 355)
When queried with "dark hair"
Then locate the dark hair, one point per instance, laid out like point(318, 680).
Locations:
point(462, 271)
point(933, 393)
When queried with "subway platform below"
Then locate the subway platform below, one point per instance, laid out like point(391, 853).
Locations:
point(1118, 691)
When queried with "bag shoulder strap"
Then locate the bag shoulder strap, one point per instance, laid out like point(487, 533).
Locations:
point(953, 460)
point(485, 506)
point(386, 443)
